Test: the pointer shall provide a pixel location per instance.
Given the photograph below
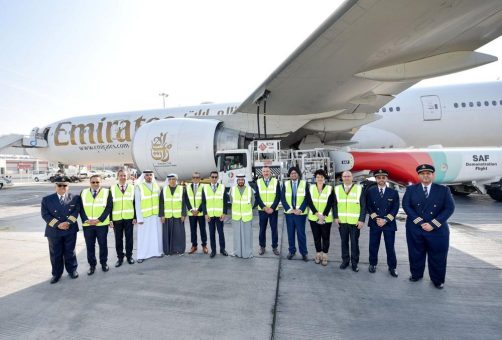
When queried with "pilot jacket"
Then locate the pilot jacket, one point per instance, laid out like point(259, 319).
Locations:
point(435, 210)
point(61, 242)
point(385, 207)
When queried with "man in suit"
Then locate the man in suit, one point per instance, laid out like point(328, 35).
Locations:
point(215, 210)
point(428, 207)
point(95, 210)
point(195, 208)
point(267, 196)
point(60, 211)
point(382, 204)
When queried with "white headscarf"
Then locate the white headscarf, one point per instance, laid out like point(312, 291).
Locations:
point(141, 179)
point(166, 182)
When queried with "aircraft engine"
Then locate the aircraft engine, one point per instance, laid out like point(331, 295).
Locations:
point(181, 146)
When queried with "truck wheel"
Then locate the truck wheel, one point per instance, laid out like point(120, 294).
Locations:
point(497, 195)
point(1, 186)
point(36, 179)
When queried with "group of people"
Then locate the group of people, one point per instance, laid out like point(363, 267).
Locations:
point(160, 213)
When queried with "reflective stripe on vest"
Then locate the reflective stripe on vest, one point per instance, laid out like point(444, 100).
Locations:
point(348, 206)
point(320, 202)
point(300, 194)
point(214, 200)
point(242, 209)
point(123, 203)
point(267, 194)
point(94, 207)
point(195, 200)
point(149, 200)
point(173, 202)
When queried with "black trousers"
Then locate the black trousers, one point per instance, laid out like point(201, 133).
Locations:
point(349, 231)
point(121, 228)
point(201, 221)
point(432, 245)
point(321, 233)
point(215, 223)
point(389, 237)
point(264, 219)
point(62, 254)
point(91, 233)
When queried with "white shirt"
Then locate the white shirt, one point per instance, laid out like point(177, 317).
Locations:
point(61, 197)
point(382, 189)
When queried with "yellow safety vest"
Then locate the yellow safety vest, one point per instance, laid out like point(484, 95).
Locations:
point(267, 194)
point(195, 200)
point(348, 205)
point(242, 209)
point(214, 200)
point(123, 203)
point(300, 194)
point(320, 202)
point(173, 202)
point(149, 200)
point(94, 207)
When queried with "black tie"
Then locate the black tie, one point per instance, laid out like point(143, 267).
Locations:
point(426, 193)
point(94, 194)
point(381, 192)
point(122, 188)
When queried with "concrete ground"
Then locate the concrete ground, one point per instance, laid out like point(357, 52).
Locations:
point(193, 296)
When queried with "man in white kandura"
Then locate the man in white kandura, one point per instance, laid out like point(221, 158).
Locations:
point(146, 201)
point(242, 218)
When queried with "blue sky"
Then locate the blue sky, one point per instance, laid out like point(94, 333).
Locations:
point(67, 58)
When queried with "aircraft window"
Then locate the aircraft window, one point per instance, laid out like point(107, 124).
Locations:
point(455, 105)
point(471, 104)
point(486, 103)
point(478, 103)
point(494, 103)
point(383, 109)
point(391, 109)
point(398, 108)
point(500, 102)
point(463, 104)
point(436, 106)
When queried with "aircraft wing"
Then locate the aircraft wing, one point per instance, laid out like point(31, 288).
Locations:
point(368, 51)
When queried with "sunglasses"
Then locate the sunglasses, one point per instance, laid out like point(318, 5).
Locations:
point(214, 176)
point(62, 185)
point(195, 177)
point(95, 182)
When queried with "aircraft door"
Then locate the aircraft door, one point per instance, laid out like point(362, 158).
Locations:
point(431, 107)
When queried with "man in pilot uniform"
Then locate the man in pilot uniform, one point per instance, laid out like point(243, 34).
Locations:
point(382, 204)
point(428, 207)
point(60, 211)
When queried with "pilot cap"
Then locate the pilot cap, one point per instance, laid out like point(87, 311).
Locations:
point(61, 180)
point(425, 167)
point(380, 172)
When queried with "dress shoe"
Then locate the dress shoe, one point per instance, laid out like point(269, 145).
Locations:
point(439, 285)
point(305, 258)
point(91, 270)
point(414, 279)
point(205, 250)
point(372, 268)
point(192, 250)
point(130, 260)
point(55, 279)
point(355, 268)
point(344, 265)
point(290, 256)
point(224, 253)
point(393, 272)
point(262, 251)
point(275, 251)
point(118, 263)
point(140, 260)
point(105, 267)
point(213, 254)
point(73, 274)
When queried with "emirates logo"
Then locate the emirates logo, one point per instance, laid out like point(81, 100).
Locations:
point(160, 148)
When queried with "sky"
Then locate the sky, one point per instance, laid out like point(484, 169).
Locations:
point(68, 58)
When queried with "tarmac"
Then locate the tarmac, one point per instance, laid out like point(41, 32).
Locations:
point(266, 297)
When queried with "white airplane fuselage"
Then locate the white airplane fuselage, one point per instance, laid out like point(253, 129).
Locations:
point(468, 115)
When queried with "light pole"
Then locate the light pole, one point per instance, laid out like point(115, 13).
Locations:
point(164, 96)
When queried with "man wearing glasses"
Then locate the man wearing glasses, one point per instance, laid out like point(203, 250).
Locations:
point(60, 211)
point(215, 210)
point(96, 207)
point(195, 208)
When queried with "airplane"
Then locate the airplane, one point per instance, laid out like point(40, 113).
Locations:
point(338, 88)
